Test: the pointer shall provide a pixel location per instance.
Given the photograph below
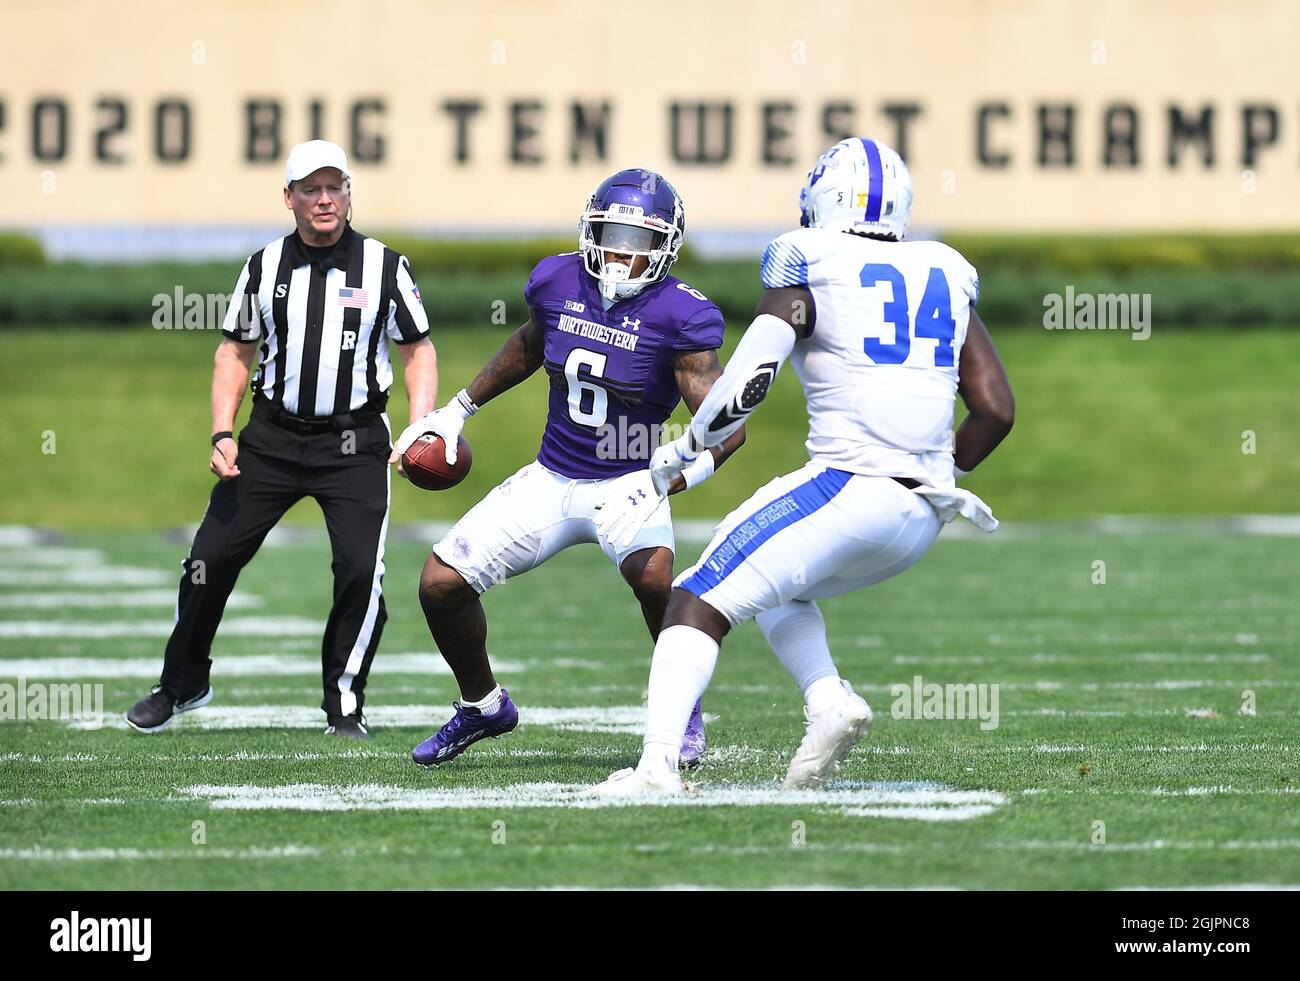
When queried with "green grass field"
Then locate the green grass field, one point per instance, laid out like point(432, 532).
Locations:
point(1119, 703)
point(1104, 425)
point(1146, 728)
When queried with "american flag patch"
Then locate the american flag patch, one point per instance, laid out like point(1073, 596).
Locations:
point(349, 297)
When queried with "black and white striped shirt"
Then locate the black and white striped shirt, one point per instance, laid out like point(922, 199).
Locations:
point(322, 322)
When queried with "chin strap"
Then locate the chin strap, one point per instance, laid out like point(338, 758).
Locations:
point(612, 276)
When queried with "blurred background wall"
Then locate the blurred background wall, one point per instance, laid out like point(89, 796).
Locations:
point(500, 118)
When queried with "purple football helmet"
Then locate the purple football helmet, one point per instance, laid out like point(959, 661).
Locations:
point(636, 212)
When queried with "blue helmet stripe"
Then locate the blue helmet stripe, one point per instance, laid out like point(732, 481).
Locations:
point(876, 180)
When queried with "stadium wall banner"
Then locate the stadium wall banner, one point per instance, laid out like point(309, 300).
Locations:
point(1012, 114)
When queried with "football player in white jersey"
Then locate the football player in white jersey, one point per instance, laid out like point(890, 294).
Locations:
point(883, 334)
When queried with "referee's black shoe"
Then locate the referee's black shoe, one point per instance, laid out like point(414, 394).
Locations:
point(347, 726)
point(155, 713)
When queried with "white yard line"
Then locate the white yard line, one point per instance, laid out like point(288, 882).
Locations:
point(1156, 845)
point(1226, 791)
point(121, 575)
point(863, 801)
point(50, 555)
point(1146, 657)
point(145, 854)
point(20, 536)
point(627, 719)
point(1215, 887)
point(239, 756)
point(81, 599)
point(224, 666)
point(232, 627)
point(1045, 686)
point(39, 758)
point(922, 813)
point(1101, 750)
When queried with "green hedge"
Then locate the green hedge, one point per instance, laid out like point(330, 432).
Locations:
point(1238, 281)
point(473, 256)
point(1021, 253)
point(1131, 253)
point(124, 296)
point(18, 251)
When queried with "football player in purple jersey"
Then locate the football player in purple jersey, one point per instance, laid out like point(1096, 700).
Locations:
point(622, 342)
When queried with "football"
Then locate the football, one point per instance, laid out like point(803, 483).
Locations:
point(426, 466)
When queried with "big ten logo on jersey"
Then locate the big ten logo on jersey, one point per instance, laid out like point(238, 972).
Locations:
point(349, 341)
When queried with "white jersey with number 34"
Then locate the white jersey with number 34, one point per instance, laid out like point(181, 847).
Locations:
point(880, 369)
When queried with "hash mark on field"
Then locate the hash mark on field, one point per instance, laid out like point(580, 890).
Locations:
point(869, 800)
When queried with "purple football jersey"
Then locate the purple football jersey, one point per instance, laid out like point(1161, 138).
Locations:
point(612, 381)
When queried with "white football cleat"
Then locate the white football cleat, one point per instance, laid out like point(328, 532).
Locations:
point(639, 783)
point(829, 738)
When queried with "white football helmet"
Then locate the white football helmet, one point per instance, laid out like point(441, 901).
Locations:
point(858, 185)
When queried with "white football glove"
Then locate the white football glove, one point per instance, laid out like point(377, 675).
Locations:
point(679, 458)
point(633, 500)
point(670, 460)
point(446, 423)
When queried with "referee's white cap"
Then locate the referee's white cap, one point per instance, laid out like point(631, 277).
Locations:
point(307, 158)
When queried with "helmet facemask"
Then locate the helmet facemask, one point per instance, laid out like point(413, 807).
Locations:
point(612, 241)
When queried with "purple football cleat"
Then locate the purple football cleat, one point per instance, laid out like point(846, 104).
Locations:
point(465, 728)
point(693, 743)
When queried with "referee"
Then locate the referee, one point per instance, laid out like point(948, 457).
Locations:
point(313, 308)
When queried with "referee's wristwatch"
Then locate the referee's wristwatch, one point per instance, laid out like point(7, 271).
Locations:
point(218, 437)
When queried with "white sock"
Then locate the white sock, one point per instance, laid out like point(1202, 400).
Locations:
point(488, 704)
point(683, 664)
point(796, 633)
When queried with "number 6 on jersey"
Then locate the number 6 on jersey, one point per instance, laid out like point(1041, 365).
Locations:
point(579, 388)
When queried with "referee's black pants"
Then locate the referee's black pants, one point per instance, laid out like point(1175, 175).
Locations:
point(278, 467)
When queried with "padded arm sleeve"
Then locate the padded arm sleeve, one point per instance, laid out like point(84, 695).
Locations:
point(745, 381)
